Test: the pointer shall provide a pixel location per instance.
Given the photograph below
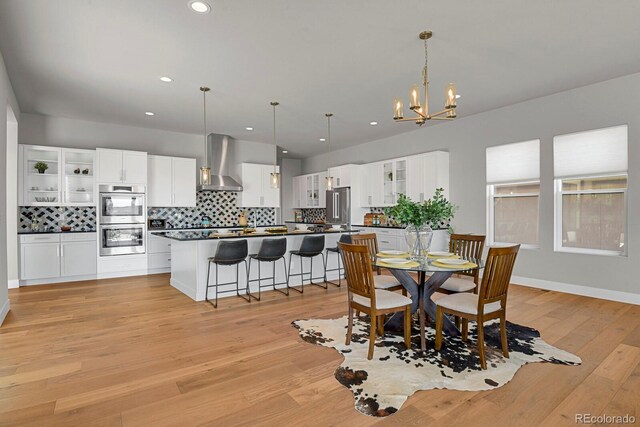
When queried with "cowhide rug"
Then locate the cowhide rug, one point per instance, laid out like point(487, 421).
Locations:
point(380, 386)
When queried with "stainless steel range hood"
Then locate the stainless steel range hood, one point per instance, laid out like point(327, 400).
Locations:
point(220, 152)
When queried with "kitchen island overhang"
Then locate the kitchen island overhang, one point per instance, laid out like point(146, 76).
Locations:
point(191, 250)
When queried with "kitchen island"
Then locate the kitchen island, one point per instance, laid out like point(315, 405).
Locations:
point(190, 252)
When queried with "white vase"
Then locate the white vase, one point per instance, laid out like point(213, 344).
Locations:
point(418, 240)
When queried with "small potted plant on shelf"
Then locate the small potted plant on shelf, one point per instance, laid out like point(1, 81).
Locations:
point(41, 167)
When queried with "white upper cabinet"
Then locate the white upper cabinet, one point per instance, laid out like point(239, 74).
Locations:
point(427, 172)
point(172, 182)
point(415, 176)
point(256, 187)
point(309, 191)
point(342, 176)
point(67, 177)
point(183, 173)
point(121, 166)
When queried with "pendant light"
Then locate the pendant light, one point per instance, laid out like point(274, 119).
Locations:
point(205, 170)
point(275, 175)
point(329, 178)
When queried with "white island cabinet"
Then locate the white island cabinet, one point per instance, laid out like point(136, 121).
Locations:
point(190, 260)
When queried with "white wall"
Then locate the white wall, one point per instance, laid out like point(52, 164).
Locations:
point(600, 105)
point(12, 198)
point(7, 99)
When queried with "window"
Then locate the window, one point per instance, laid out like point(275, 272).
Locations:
point(513, 189)
point(590, 171)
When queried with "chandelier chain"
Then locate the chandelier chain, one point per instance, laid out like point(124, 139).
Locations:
point(275, 147)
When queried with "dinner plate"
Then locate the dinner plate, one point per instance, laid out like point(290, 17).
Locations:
point(398, 261)
point(392, 252)
point(452, 261)
point(441, 253)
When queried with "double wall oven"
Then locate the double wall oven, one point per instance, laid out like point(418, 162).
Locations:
point(122, 217)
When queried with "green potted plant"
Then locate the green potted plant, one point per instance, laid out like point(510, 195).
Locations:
point(419, 217)
point(41, 167)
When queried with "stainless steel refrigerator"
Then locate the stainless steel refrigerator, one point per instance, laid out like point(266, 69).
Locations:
point(339, 206)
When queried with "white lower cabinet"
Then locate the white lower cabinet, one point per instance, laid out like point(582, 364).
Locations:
point(55, 256)
point(159, 253)
point(388, 238)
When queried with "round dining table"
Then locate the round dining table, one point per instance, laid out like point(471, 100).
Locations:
point(430, 278)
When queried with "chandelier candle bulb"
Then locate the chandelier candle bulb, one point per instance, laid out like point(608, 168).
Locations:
point(397, 110)
point(414, 97)
point(450, 96)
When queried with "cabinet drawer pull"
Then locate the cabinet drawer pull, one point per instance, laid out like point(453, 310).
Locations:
point(384, 241)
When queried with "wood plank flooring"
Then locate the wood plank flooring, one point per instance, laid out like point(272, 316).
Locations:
point(134, 351)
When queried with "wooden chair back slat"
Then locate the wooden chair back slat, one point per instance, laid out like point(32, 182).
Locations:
point(369, 240)
point(467, 246)
point(497, 275)
point(357, 266)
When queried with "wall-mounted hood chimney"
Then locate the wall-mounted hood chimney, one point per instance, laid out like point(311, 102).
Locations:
point(220, 157)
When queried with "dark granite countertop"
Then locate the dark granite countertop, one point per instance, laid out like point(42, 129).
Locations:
point(379, 226)
point(55, 232)
point(306, 223)
point(209, 228)
point(187, 235)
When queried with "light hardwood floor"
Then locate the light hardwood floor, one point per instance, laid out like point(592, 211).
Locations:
point(135, 351)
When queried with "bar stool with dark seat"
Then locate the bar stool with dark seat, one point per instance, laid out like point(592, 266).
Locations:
point(345, 238)
point(310, 247)
point(229, 252)
point(271, 250)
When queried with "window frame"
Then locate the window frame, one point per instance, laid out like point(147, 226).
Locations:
point(558, 193)
point(491, 196)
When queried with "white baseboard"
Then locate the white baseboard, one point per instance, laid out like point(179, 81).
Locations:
point(608, 294)
point(4, 311)
point(13, 284)
point(188, 291)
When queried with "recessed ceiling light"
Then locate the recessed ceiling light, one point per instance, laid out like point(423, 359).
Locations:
point(285, 151)
point(249, 128)
point(150, 113)
point(458, 96)
point(199, 7)
point(373, 123)
point(322, 139)
point(166, 79)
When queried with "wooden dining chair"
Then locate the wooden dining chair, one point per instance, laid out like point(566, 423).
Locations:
point(389, 283)
point(490, 303)
point(363, 295)
point(467, 246)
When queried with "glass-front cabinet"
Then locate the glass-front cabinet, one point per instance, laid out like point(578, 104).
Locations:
point(394, 180)
point(51, 176)
point(77, 187)
point(40, 177)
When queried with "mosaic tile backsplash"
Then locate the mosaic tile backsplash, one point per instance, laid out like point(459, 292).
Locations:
point(53, 217)
point(219, 206)
point(314, 215)
point(443, 225)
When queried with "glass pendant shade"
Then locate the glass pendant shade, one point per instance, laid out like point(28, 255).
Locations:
point(205, 175)
point(329, 183)
point(275, 180)
point(450, 96)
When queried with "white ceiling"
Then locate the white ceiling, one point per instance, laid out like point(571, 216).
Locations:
point(100, 60)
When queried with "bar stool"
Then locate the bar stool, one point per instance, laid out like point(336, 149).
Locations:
point(310, 247)
point(229, 252)
point(345, 238)
point(271, 250)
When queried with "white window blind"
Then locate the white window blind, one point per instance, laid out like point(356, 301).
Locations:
point(510, 163)
point(595, 152)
